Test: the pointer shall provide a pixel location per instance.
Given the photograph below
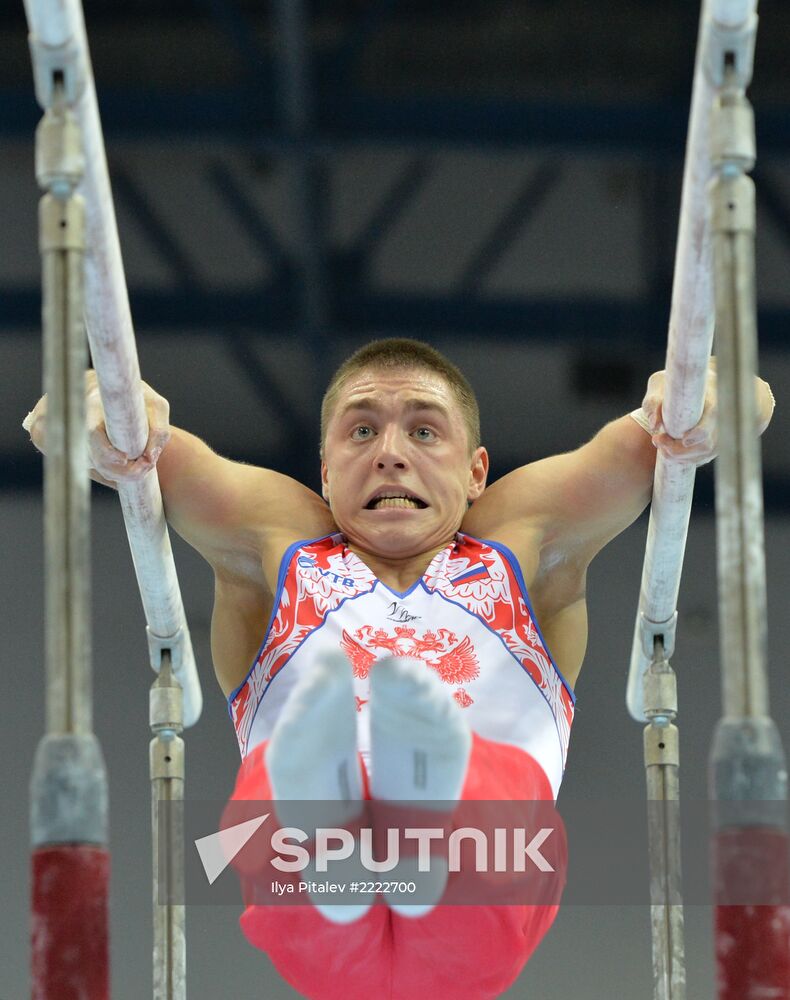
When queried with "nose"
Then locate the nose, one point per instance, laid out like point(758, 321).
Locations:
point(390, 453)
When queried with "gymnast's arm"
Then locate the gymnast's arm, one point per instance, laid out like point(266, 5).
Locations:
point(579, 501)
point(233, 514)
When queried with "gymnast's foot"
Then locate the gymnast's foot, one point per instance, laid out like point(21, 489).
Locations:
point(312, 757)
point(420, 746)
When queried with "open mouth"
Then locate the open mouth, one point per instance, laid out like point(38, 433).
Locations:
point(395, 501)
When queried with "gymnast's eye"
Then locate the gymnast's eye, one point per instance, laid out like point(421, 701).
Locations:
point(362, 432)
point(424, 434)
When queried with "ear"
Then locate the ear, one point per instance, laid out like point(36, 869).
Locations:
point(478, 474)
point(324, 482)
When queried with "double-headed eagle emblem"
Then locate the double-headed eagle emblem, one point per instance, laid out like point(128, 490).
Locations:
point(453, 659)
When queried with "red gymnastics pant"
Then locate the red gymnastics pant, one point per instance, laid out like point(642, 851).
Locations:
point(458, 952)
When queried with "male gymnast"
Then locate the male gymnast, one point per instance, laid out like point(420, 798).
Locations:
point(460, 610)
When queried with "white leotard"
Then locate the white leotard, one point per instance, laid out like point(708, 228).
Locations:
point(468, 618)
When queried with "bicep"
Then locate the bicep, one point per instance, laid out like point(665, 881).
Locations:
point(231, 512)
point(600, 489)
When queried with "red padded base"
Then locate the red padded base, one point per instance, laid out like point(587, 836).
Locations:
point(69, 933)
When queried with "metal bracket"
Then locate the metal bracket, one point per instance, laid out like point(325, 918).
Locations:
point(172, 644)
point(732, 138)
point(54, 67)
point(730, 50)
point(60, 162)
point(665, 631)
point(178, 647)
point(661, 696)
point(166, 703)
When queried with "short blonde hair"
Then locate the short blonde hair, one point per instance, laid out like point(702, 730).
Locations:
point(402, 352)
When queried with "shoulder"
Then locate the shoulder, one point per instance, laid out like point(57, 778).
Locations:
point(511, 513)
point(556, 593)
point(570, 505)
point(245, 601)
point(552, 579)
point(280, 547)
point(518, 512)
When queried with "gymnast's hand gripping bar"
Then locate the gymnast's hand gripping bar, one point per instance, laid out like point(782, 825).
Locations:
point(727, 31)
point(59, 48)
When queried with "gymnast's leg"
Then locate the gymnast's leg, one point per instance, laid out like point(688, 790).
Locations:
point(312, 756)
point(321, 958)
point(464, 952)
point(476, 952)
point(459, 952)
point(423, 751)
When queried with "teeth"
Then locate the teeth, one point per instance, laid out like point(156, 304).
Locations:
point(395, 502)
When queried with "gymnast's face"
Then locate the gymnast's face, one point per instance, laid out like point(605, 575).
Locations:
point(397, 469)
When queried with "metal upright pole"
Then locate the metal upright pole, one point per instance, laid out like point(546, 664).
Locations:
point(167, 794)
point(60, 50)
point(652, 689)
point(748, 772)
point(662, 765)
point(70, 861)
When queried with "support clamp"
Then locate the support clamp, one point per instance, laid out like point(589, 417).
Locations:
point(665, 631)
point(55, 66)
point(173, 644)
point(729, 49)
point(732, 138)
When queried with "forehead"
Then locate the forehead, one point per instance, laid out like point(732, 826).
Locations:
point(376, 387)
